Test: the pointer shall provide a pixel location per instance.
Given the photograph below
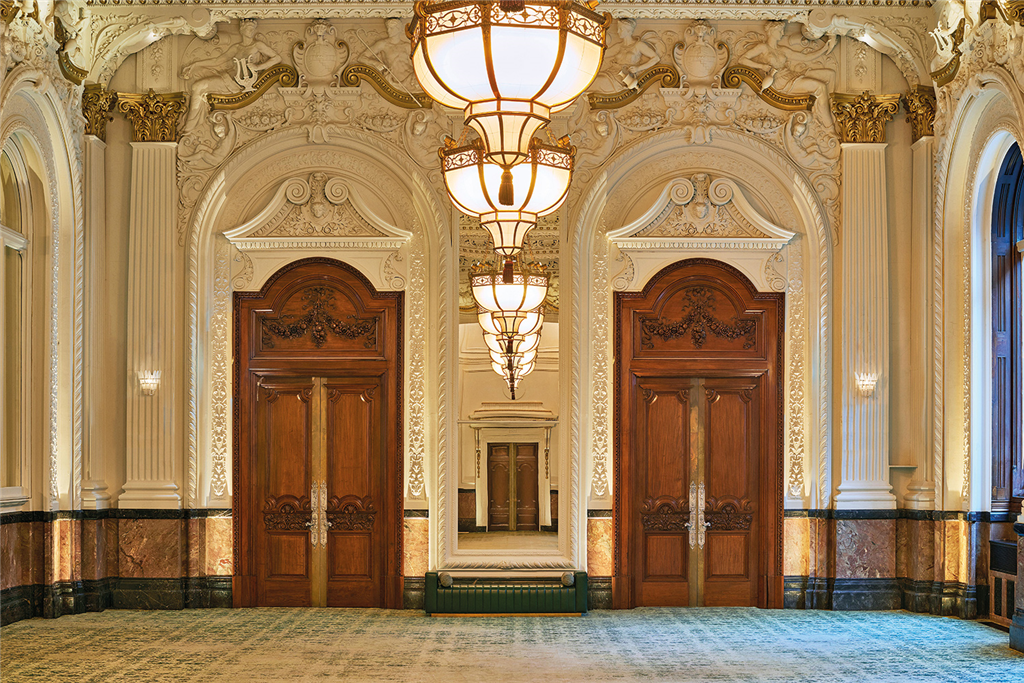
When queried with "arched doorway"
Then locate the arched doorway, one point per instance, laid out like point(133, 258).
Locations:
point(318, 480)
point(698, 401)
point(1007, 375)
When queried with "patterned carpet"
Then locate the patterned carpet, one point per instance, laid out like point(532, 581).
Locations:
point(710, 644)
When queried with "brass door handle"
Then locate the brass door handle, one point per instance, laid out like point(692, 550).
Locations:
point(692, 524)
point(314, 522)
point(702, 526)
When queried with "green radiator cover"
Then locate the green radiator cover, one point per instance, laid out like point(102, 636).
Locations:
point(506, 596)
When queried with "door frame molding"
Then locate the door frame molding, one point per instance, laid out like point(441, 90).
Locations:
point(770, 565)
point(393, 503)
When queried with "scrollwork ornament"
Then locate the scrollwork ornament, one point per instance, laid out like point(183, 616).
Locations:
point(97, 103)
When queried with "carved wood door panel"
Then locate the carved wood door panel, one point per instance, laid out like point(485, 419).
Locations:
point(317, 487)
point(512, 487)
point(698, 514)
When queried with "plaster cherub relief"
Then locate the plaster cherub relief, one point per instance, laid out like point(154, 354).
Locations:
point(792, 64)
point(233, 70)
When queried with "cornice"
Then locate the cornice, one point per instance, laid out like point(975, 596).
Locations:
point(621, 5)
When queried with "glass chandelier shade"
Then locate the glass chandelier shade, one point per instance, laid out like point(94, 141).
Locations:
point(513, 296)
point(515, 324)
point(501, 344)
point(508, 201)
point(507, 65)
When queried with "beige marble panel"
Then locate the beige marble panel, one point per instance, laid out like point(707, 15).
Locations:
point(219, 546)
point(196, 559)
point(865, 548)
point(151, 548)
point(796, 548)
point(416, 546)
point(600, 553)
point(954, 551)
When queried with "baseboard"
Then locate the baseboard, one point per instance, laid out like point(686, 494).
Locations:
point(599, 593)
point(1017, 631)
point(950, 598)
point(807, 592)
point(866, 594)
point(930, 597)
point(412, 596)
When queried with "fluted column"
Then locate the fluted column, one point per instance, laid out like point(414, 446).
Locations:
point(864, 475)
point(96, 105)
point(153, 424)
point(920, 107)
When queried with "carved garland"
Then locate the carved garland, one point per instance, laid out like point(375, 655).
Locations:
point(317, 322)
point(697, 319)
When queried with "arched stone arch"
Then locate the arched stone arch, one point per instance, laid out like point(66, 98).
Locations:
point(984, 125)
point(36, 120)
point(781, 189)
point(240, 189)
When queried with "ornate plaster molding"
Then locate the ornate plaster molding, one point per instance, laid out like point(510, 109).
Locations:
point(919, 103)
point(862, 118)
point(97, 103)
point(154, 117)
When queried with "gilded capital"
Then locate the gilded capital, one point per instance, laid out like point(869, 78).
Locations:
point(919, 104)
point(154, 117)
point(8, 10)
point(97, 103)
point(1014, 10)
point(862, 118)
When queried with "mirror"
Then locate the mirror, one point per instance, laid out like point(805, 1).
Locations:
point(508, 469)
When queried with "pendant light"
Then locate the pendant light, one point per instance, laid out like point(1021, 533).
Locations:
point(538, 187)
point(514, 299)
point(507, 64)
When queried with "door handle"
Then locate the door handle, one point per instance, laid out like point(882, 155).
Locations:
point(692, 524)
point(314, 522)
point(324, 524)
point(702, 525)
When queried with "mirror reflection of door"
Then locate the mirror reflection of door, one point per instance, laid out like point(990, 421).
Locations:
point(512, 484)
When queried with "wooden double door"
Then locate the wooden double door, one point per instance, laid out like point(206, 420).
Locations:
point(317, 486)
point(512, 488)
point(698, 400)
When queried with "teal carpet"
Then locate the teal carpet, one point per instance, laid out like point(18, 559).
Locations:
point(709, 644)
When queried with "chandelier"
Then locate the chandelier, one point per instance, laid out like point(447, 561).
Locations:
point(508, 64)
point(538, 187)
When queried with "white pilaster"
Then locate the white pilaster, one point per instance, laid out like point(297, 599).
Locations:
point(94, 486)
point(865, 331)
point(921, 489)
point(152, 423)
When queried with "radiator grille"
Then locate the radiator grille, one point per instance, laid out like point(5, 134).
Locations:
point(506, 597)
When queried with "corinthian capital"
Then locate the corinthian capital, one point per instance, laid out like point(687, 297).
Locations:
point(862, 118)
point(919, 104)
point(154, 117)
point(97, 103)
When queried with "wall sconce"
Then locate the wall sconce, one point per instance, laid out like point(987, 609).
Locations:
point(866, 382)
point(148, 382)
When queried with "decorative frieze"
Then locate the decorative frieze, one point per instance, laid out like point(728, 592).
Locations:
point(862, 118)
point(154, 117)
point(97, 103)
point(919, 104)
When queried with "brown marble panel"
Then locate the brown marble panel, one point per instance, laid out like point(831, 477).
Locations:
point(821, 560)
point(14, 553)
point(416, 546)
point(920, 549)
point(599, 546)
point(196, 560)
point(94, 551)
point(35, 571)
point(467, 504)
point(150, 548)
point(219, 546)
point(865, 548)
point(110, 530)
point(903, 546)
point(796, 549)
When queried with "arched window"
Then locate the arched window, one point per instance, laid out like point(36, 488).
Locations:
point(13, 360)
point(1007, 349)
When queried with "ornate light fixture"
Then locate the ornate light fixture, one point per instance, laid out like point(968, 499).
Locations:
point(513, 299)
point(508, 64)
point(539, 186)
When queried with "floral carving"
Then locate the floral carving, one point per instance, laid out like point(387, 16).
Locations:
point(318, 321)
point(862, 118)
point(698, 319)
point(664, 514)
point(287, 513)
point(729, 514)
point(350, 513)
